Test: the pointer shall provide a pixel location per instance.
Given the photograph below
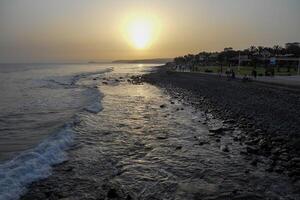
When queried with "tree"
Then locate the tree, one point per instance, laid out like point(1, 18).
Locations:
point(277, 50)
point(253, 50)
point(293, 48)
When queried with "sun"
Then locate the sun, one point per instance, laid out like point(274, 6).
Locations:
point(141, 31)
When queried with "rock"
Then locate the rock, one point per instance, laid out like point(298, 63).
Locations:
point(276, 151)
point(295, 160)
point(203, 142)
point(284, 157)
point(162, 106)
point(218, 140)
point(247, 195)
point(229, 121)
point(279, 170)
point(217, 130)
point(243, 152)
point(270, 169)
point(178, 147)
point(112, 194)
point(104, 82)
point(254, 162)
point(251, 142)
point(263, 143)
point(252, 150)
point(258, 131)
point(224, 148)
point(68, 169)
point(161, 137)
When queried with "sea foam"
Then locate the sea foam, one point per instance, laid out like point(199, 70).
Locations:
point(33, 165)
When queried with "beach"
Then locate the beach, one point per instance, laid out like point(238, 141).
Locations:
point(156, 138)
point(267, 113)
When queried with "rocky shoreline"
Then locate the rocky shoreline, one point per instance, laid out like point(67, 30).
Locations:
point(172, 146)
point(268, 115)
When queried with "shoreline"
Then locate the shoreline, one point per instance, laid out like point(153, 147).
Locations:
point(268, 114)
point(161, 141)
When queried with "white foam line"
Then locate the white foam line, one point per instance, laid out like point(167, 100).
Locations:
point(33, 165)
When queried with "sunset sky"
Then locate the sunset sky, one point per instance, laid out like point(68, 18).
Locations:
point(83, 30)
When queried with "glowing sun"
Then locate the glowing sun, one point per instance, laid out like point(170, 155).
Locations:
point(141, 31)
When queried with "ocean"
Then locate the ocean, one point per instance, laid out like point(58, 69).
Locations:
point(39, 106)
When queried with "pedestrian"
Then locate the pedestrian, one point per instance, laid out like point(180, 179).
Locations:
point(254, 73)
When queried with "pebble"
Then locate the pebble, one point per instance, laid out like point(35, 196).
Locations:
point(252, 150)
point(217, 130)
point(224, 148)
point(162, 106)
point(112, 194)
point(254, 162)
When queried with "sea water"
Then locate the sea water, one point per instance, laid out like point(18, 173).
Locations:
point(39, 104)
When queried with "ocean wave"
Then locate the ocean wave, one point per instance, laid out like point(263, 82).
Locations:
point(34, 165)
point(96, 106)
point(68, 81)
point(84, 75)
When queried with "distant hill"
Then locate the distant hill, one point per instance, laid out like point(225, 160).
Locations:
point(146, 61)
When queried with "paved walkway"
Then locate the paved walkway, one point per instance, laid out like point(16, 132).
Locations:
point(282, 80)
point(285, 80)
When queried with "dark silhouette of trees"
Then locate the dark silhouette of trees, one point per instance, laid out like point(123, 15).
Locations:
point(293, 48)
point(255, 56)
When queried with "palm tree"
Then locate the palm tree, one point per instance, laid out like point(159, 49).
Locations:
point(253, 50)
point(277, 49)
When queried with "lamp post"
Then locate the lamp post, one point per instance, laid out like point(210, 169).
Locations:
point(299, 66)
point(239, 63)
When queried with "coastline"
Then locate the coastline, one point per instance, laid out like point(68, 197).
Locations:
point(268, 114)
point(157, 147)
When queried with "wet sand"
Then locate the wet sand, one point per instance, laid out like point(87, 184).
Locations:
point(149, 143)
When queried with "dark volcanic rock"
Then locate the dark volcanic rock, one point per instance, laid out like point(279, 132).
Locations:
point(112, 194)
point(268, 113)
point(217, 130)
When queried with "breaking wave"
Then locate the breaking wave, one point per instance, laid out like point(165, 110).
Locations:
point(35, 164)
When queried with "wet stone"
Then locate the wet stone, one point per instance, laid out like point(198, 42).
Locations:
point(178, 147)
point(161, 137)
point(217, 130)
point(252, 150)
point(112, 194)
point(224, 148)
point(254, 162)
point(162, 106)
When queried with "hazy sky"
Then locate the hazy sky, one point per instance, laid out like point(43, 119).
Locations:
point(82, 30)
